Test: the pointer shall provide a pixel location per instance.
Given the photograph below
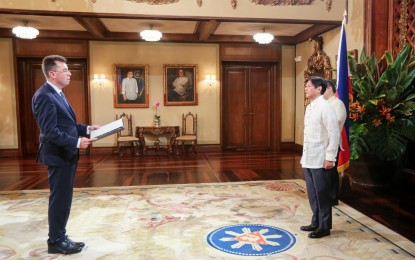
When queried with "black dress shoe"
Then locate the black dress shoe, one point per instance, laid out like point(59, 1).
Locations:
point(63, 247)
point(319, 233)
point(308, 228)
point(78, 244)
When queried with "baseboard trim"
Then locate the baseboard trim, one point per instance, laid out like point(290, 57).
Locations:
point(287, 146)
point(5, 153)
point(298, 148)
point(200, 147)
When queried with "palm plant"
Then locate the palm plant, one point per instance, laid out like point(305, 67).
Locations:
point(382, 118)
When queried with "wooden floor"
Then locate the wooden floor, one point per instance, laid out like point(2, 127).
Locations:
point(204, 167)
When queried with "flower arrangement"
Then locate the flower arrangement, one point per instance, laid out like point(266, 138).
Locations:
point(157, 117)
point(382, 119)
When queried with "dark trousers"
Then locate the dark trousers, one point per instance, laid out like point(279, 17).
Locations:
point(61, 182)
point(318, 182)
point(335, 182)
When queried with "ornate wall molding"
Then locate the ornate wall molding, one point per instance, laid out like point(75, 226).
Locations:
point(155, 2)
point(233, 3)
point(273, 2)
point(281, 2)
point(290, 2)
point(328, 5)
point(93, 1)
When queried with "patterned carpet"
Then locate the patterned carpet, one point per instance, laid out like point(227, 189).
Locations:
point(243, 220)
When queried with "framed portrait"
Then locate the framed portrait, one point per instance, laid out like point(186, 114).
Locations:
point(180, 84)
point(131, 86)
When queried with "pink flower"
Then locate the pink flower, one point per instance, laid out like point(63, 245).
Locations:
point(157, 117)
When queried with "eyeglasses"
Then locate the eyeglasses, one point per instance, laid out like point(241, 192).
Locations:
point(63, 71)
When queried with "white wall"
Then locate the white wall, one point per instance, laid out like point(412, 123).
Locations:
point(288, 93)
point(8, 114)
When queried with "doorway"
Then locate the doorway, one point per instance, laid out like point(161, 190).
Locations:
point(248, 103)
point(30, 78)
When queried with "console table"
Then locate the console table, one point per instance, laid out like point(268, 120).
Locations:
point(170, 131)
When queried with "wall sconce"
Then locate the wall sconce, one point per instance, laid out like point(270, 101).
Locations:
point(99, 79)
point(210, 80)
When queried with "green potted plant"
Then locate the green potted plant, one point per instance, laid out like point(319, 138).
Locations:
point(382, 118)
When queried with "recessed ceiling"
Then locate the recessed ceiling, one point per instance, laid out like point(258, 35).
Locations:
point(180, 29)
point(278, 29)
point(138, 25)
point(40, 22)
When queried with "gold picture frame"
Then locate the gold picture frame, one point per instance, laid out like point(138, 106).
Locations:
point(180, 84)
point(131, 92)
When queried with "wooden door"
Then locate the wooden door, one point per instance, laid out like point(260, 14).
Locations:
point(248, 92)
point(260, 107)
point(30, 78)
point(235, 108)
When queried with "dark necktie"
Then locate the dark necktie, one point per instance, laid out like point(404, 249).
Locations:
point(64, 98)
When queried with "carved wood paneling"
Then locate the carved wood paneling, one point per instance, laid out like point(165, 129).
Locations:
point(43, 47)
point(403, 24)
point(249, 52)
point(377, 26)
point(318, 64)
point(389, 25)
point(411, 23)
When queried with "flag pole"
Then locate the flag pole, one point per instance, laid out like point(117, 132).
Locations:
point(346, 11)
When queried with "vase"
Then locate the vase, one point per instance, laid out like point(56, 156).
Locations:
point(157, 122)
point(373, 173)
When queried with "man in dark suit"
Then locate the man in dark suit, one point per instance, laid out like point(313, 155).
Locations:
point(59, 149)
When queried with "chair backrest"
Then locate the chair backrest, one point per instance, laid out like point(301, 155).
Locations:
point(128, 128)
point(189, 124)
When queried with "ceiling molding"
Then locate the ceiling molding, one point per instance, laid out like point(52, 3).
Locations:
point(314, 31)
point(203, 32)
point(6, 33)
point(51, 34)
point(166, 17)
point(93, 25)
point(206, 28)
point(167, 37)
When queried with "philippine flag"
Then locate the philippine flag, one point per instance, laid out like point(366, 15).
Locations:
point(344, 89)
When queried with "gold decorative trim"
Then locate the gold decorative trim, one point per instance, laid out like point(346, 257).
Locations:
point(281, 2)
point(318, 64)
point(93, 1)
point(155, 2)
point(328, 5)
point(290, 2)
point(233, 3)
point(403, 24)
